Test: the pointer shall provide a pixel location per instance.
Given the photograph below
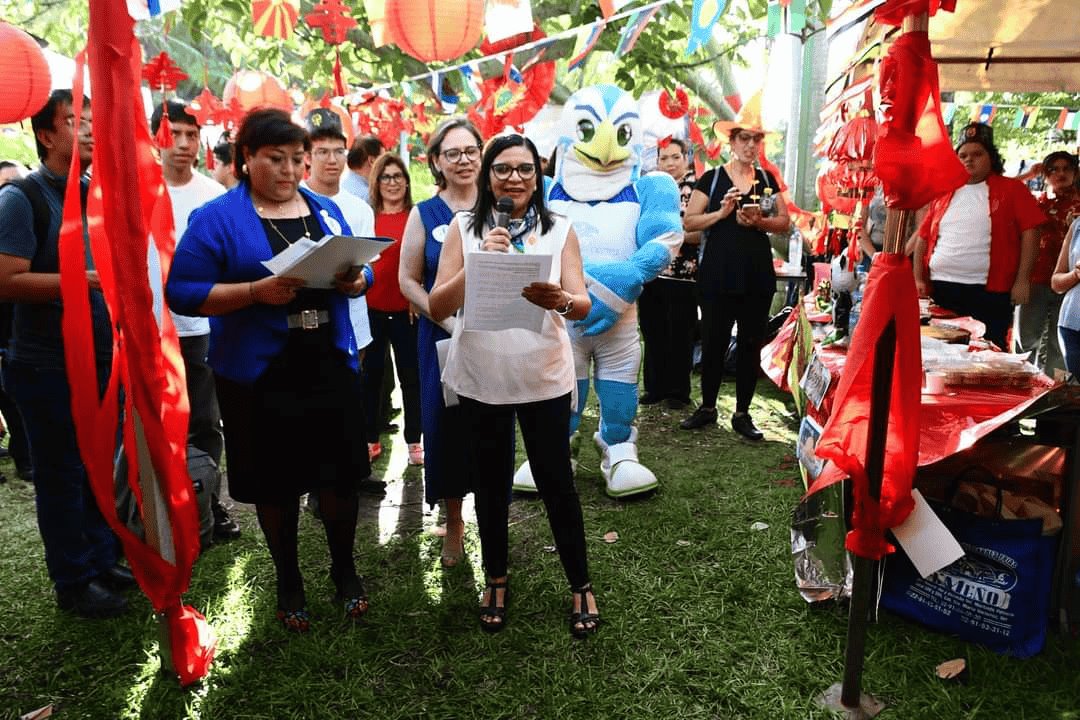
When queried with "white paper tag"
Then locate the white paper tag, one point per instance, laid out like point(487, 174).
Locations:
point(926, 540)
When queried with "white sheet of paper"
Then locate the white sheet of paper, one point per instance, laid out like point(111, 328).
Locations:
point(316, 263)
point(493, 286)
point(926, 540)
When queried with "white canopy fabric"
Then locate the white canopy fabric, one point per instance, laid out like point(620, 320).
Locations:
point(1008, 45)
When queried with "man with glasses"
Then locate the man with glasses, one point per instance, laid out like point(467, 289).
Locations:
point(1037, 319)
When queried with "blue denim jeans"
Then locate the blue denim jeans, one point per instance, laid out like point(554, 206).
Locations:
point(79, 545)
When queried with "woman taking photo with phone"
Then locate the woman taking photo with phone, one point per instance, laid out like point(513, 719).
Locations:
point(735, 280)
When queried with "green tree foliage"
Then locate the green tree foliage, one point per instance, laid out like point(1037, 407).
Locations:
point(216, 37)
point(1027, 143)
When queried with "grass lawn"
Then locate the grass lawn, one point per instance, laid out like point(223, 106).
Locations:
point(701, 616)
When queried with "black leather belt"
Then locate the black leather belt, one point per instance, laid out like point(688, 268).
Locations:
point(308, 319)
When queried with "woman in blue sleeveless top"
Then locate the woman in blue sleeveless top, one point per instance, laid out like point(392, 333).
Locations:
point(454, 159)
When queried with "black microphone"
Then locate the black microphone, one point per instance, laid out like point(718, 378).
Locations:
point(503, 208)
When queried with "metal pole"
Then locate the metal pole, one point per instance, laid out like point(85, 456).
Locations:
point(863, 575)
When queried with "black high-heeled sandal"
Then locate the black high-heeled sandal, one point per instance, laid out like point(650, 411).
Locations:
point(582, 622)
point(493, 616)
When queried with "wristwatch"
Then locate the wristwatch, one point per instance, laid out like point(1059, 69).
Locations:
point(567, 307)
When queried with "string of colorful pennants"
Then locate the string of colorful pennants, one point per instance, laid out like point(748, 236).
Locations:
point(1024, 117)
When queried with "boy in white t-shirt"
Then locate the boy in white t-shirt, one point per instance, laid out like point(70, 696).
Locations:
point(189, 190)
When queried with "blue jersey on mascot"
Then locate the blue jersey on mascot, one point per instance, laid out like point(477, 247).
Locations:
point(629, 228)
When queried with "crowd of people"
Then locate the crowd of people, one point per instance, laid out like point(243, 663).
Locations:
point(263, 352)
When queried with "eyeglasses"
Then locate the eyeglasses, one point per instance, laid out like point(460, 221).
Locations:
point(454, 155)
point(391, 178)
point(323, 153)
point(502, 171)
point(749, 138)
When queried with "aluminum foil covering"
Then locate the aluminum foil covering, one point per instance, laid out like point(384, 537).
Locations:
point(823, 569)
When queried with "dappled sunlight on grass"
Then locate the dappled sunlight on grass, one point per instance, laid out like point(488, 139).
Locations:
point(390, 508)
point(230, 618)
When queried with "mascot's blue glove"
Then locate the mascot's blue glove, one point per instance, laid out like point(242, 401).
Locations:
point(615, 286)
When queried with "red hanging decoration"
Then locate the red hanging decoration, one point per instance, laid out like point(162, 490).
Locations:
point(339, 79)
point(914, 156)
point(275, 18)
point(162, 73)
point(334, 20)
point(431, 30)
point(211, 161)
point(677, 107)
point(254, 88)
point(24, 75)
point(205, 107)
point(163, 137)
point(893, 12)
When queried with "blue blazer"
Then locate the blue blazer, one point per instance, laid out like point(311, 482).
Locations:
point(225, 243)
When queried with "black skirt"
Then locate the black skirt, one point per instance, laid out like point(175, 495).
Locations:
point(299, 427)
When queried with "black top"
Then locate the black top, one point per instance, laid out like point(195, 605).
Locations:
point(293, 229)
point(736, 259)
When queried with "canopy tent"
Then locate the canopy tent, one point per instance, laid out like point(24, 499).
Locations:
point(1008, 45)
point(988, 45)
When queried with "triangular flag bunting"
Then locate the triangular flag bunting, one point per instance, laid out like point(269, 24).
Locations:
point(587, 39)
point(703, 17)
point(632, 31)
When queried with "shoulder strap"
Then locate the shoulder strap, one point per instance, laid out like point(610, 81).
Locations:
point(38, 206)
point(715, 178)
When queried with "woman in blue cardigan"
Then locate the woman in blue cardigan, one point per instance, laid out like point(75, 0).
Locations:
point(284, 356)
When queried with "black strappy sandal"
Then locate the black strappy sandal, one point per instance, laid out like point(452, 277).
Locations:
point(492, 616)
point(351, 594)
point(582, 622)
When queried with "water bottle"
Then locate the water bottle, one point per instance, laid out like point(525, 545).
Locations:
point(794, 249)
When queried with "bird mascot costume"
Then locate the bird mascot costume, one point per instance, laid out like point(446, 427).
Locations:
point(628, 227)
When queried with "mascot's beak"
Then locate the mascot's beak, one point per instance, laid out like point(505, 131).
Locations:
point(602, 153)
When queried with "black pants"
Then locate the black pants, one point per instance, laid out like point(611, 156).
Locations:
point(718, 314)
point(391, 330)
point(489, 429)
point(667, 311)
point(18, 447)
point(994, 309)
point(204, 425)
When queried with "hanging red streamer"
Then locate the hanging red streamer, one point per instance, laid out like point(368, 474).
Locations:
point(913, 156)
point(890, 296)
point(893, 12)
point(339, 79)
point(127, 202)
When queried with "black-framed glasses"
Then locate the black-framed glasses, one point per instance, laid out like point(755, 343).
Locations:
point(454, 155)
point(391, 178)
point(503, 171)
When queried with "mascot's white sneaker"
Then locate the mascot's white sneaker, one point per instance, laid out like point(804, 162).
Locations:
point(623, 473)
point(523, 478)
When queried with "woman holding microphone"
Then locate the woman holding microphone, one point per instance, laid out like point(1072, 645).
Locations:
point(500, 374)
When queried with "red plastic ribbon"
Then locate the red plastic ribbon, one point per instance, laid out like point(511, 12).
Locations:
point(890, 296)
point(913, 156)
point(126, 203)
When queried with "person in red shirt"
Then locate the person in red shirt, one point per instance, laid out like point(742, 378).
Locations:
point(388, 310)
point(976, 246)
point(1037, 320)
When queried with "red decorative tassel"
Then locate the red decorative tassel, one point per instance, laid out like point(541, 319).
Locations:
point(210, 159)
point(339, 80)
point(163, 136)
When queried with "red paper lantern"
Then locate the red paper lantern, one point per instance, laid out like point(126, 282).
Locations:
point(24, 75)
point(431, 30)
point(255, 89)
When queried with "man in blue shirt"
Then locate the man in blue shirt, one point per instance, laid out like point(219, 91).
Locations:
point(81, 551)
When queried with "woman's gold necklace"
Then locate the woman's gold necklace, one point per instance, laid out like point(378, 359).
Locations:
point(303, 219)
